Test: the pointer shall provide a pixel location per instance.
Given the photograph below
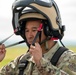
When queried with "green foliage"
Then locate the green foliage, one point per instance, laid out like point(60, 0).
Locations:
point(73, 48)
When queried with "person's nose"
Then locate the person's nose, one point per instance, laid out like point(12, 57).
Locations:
point(30, 34)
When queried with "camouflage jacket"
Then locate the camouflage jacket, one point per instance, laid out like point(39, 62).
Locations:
point(65, 66)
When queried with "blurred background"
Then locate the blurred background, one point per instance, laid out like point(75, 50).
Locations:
point(68, 15)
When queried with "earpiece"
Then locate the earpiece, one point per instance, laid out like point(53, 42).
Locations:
point(46, 29)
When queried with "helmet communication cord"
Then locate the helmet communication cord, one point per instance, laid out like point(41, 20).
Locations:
point(38, 33)
point(62, 43)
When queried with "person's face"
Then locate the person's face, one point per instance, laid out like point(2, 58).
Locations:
point(31, 28)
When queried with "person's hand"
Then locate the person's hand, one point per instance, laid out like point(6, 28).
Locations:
point(2, 52)
point(36, 52)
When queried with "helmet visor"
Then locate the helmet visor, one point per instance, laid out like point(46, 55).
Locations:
point(24, 3)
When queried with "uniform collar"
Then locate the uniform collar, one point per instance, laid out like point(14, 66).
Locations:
point(51, 52)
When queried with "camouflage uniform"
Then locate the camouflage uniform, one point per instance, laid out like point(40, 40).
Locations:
point(65, 66)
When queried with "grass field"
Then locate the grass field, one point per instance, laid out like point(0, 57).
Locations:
point(14, 52)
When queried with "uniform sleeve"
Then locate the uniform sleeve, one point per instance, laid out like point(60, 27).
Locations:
point(47, 68)
point(11, 68)
point(68, 64)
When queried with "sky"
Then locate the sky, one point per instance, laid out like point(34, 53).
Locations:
point(68, 14)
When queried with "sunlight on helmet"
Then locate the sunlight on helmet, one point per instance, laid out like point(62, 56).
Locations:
point(18, 8)
point(27, 8)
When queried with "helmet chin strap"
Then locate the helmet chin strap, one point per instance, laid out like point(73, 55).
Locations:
point(39, 35)
point(46, 45)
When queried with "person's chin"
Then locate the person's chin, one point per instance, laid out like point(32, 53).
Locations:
point(30, 42)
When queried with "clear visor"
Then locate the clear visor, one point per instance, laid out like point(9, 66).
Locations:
point(43, 1)
point(24, 3)
point(47, 1)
